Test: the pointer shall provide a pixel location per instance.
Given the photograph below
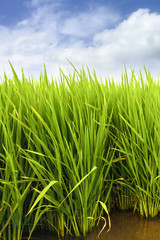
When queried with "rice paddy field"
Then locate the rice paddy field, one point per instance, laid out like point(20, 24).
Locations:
point(74, 149)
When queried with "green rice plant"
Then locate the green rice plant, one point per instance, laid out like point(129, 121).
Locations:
point(57, 148)
point(73, 142)
point(16, 176)
point(72, 149)
point(13, 188)
point(138, 139)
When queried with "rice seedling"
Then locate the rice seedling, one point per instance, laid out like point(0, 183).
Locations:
point(70, 150)
point(57, 146)
point(137, 139)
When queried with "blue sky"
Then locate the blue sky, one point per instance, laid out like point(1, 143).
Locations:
point(102, 34)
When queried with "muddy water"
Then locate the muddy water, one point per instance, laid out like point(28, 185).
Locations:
point(125, 226)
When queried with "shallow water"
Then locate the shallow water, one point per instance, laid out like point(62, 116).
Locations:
point(125, 225)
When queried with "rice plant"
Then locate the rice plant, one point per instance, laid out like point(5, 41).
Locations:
point(137, 139)
point(73, 149)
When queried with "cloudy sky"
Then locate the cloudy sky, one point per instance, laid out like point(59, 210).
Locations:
point(101, 34)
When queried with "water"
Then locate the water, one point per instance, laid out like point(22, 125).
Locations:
point(125, 225)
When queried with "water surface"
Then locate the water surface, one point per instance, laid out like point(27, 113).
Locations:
point(125, 225)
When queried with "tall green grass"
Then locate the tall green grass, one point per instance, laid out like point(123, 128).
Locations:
point(137, 140)
point(73, 149)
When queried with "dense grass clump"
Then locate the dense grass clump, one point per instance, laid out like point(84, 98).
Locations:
point(72, 150)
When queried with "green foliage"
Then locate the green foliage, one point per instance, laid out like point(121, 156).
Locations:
point(71, 150)
point(55, 153)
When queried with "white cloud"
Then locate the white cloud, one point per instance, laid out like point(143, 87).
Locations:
point(89, 22)
point(51, 36)
point(136, 34)
point(135, 41)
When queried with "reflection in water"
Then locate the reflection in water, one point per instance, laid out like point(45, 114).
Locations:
point(130, 227)
point(125, 225)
